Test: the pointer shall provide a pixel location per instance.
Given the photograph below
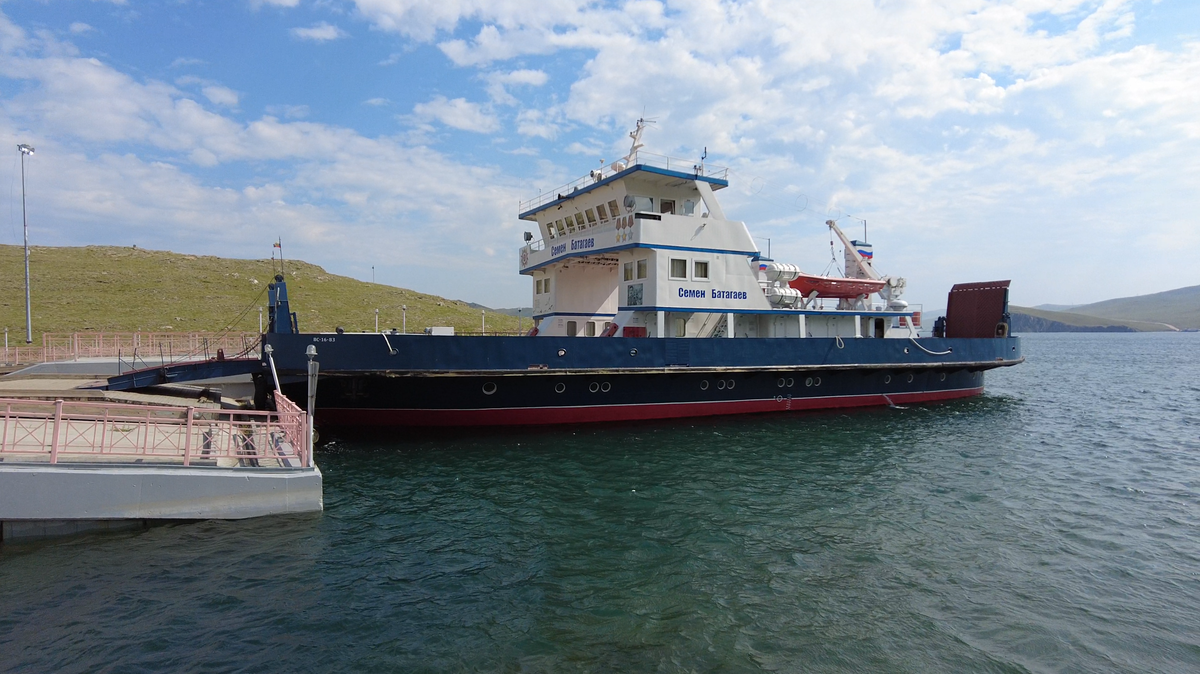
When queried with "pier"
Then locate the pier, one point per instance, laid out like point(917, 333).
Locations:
point(75, 465)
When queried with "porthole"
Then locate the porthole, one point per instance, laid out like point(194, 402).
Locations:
point(791, 382)
point(562, 352)
point(906, 349)
point(704, 385)
point(721, 383)
point(781, 383)
point(887, 378)
point(731, 382)
point(604, 387)
point(633, 352)
point(808, 382)
point(817, 381)
point(910, 378)
point(593, 387)
point(943, 376)
point(560, 387)
point(489, 388)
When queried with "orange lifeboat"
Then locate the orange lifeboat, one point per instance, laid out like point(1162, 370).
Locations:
point(830, 286)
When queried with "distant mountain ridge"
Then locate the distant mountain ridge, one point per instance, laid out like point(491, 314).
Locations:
point(1177, 309)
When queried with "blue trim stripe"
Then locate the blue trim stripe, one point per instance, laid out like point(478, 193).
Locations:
point(555, 313)
point(618, 176)
point(752, 254)
point(783, 312)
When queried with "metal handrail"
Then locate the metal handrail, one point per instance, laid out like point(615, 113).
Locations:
point(59, 431)
point(154, 347)
point(641, 158)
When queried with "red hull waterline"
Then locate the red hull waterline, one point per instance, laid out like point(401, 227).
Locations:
point(541, 416)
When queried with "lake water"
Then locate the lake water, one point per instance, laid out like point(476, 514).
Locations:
point(1050, 525)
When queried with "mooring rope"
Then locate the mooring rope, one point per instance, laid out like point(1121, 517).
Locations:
point(932, 353)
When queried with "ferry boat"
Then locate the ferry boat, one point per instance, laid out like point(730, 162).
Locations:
point(650, 303)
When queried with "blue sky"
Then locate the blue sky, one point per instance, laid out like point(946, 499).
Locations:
point(1053, 142)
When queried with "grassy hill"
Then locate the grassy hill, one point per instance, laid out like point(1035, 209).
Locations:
point(1080, 321)
point(1179, 307)
point(128, 289)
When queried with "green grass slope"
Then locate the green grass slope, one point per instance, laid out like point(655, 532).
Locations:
point(1082, 321)
point(130, 289)
point(1179, 307)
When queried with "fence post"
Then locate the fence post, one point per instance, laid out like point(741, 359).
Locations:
point(187, 442)
point(58, 404)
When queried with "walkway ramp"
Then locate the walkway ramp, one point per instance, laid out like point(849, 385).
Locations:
point(177, 373)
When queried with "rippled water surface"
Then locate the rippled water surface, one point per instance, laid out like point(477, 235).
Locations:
point(1050, 525)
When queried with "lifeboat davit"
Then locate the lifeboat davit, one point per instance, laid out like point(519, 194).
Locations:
point(830, 286)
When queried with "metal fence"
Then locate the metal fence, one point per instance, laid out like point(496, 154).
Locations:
point(139, 348)
point(91, 432)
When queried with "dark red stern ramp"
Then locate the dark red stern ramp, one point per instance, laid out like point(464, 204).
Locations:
point(978, 310)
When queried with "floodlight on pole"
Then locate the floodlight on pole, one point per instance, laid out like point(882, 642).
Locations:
point(24, 150)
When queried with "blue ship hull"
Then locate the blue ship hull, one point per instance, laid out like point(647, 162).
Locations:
point(423, 380)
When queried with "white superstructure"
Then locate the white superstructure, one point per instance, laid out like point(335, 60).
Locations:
point(642, 248)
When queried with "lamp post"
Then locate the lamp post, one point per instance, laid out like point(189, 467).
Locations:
point(404, 318)
point(24, 150)
point(376, 320)
point(483, 321)
point(311, 352)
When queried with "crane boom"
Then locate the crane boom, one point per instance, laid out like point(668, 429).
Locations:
point(862, 262)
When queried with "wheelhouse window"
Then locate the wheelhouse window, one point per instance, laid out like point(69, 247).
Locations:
point(666, 206)
point(700, 270)
point(601, 212)
point(537, 287)
point(591, 217)
point(681, 327)
point(612, 208)
point(562, 231)
point(678, 269)
point(641, 269)
point(579, 224)
point(628, 269)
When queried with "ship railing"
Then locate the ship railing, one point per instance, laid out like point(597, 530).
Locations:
point(141, 349)
point(641, 158)
point(58, 431)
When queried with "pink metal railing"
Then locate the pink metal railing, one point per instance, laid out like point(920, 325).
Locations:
point(139, 348)
point(72, 432)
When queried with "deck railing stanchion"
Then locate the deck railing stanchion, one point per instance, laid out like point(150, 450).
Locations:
point(58, 405)
point(187, 441)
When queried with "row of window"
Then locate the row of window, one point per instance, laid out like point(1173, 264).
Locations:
point(541, 286)
point(679, 269)
point(590, 328)
point(581, 221)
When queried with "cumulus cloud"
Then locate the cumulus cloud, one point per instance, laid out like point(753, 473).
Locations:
point(79, 28)
point(458, 113)
point(219, 95)
point(499, 82)
point(319, 32)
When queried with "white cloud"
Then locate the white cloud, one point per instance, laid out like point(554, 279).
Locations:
point(319, 32)
point(79, 28)
point(275, 3)
point(219, 95)
point(457, 113)
point(186, 61)
point(498, 83)
point(377, 102)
